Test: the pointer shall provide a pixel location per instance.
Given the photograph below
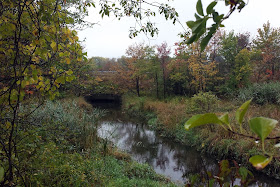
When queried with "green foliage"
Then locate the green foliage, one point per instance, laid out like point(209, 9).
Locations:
point(240, 113)
point(261, 93)
point(242, 69)
point(261, 126)
point(62, 149)
point(260, 161)
point(202, 119)
point(203, 102)
point(199, 26)
point(2, 172)
point(37, 52)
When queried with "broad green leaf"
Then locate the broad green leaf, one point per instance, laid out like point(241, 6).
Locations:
point(2, 172)
point(241, 111)
point(197, 17)
point(224, 118)
point(190, 24)
point(262, 126)
point(195, 25)
point(202, 119)
point(199, 8)
point(215, 16)
point(192, 39)
point(210, 7)
point(200, 26)
point(259, 161)
point(205, 40)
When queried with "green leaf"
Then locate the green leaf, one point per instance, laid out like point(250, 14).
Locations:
point(259, 161)
point(215, 17)
point(199, 8)
point(262, 126)
point(243, 173)
point(205, 41)
point(202, 119)
point(224, 118)
point(192, 39)
point(190, 24)
point(196, 25)
point(210, 7)
point(241, 111)
point(2, 172)
point(197, 17)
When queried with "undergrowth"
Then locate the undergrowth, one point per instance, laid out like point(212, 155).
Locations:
point(61, 148)
point(169, 118)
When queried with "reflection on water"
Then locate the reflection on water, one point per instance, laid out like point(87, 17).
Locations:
point(167, 158)
point(171, 159)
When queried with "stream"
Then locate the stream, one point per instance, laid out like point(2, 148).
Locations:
point(173, 160)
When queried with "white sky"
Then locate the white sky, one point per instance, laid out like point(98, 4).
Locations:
point(110, 38)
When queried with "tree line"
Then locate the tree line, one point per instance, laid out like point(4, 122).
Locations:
point(231, 61)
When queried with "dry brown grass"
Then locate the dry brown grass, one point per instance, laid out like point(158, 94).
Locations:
point(169, 114)
point(81, 102)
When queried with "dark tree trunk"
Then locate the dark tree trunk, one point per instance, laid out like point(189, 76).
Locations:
point(156, 79)
point(137, 87)
point(164, 82)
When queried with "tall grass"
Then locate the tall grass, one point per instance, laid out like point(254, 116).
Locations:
point(66, 120)
point(261, 93)
point(60, 147)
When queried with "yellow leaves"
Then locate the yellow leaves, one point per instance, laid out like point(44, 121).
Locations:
point(8, 124)
point(202, 72)
point(69, 72)
point(35, 32)
point(98, 79)
point(53, 45)
point(76, 38)
point(67, 61)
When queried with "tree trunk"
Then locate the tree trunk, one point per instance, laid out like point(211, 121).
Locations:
point(137, 87)
point(156, 79)
point(164, 82)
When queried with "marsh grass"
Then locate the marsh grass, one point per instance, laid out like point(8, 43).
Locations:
point(169, 117)
point(60, 147)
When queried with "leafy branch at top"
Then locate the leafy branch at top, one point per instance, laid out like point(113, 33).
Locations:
point(199, 26)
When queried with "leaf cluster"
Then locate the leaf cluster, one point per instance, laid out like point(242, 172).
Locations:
point(199, 26)
point(260, 126)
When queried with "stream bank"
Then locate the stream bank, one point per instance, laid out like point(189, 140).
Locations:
point(166, 155)
point(201, 139)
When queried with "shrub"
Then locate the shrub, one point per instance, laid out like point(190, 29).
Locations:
point(202, 102)
point(261, 93)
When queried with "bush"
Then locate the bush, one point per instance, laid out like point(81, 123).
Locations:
point(202, 102)
point(261, 93)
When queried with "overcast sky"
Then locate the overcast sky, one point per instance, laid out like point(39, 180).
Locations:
point(110, 37)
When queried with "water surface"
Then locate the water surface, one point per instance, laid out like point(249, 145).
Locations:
point(173, 160)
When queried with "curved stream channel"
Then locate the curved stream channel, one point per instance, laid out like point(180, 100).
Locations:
point(173, 160)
